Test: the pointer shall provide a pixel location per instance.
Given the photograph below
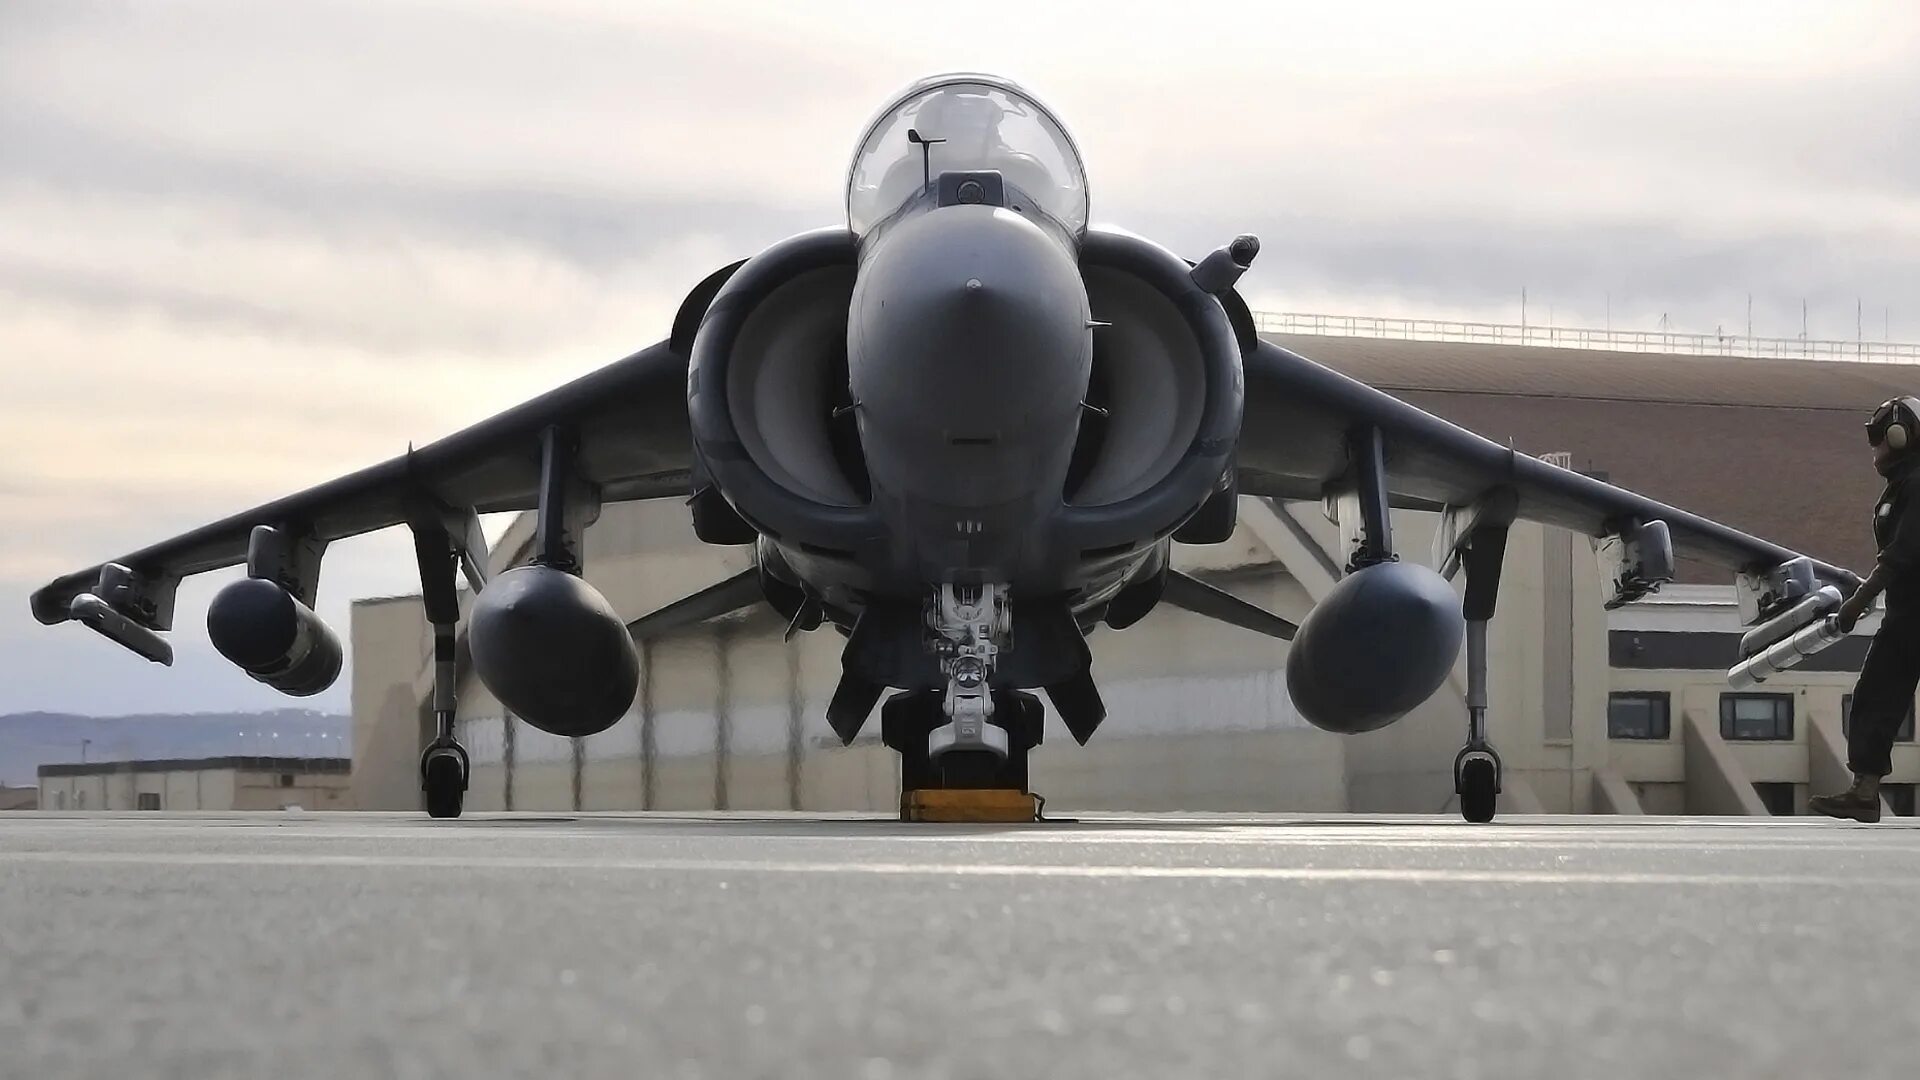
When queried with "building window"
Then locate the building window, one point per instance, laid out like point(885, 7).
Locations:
point(1905, 734)
point(286, 779)
point(1748, 717)
point(149, 800)
point(1776, 797)
point(1899, 798)
point(1638, 715)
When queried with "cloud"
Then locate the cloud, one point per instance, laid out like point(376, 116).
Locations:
point(383, 281)
point(248, 247)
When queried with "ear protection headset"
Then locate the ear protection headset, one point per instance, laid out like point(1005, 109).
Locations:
point(1896, 423)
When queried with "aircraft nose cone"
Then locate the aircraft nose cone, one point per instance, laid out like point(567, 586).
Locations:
point(969, 351)
point(969, 321)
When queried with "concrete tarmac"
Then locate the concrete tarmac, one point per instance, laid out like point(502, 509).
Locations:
point(683, 946)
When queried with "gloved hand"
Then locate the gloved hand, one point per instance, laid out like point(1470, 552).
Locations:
point(1852, 609)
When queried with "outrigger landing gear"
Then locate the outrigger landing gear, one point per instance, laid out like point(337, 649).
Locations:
point(1480, 550)
point(1477, 768)
point(444, 765)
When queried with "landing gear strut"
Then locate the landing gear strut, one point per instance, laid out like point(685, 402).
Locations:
point(444, 766)
point(1477, 768)
point(966, 628)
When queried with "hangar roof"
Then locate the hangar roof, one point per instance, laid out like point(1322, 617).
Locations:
point(301, 765)
point(1773, 447)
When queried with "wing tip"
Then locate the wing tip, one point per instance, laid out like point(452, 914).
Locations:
point(50, 602)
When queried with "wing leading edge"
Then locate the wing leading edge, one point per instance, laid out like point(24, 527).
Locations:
point(1294, 446)
point(628, 421)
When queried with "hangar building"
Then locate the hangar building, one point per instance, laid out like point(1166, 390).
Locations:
point(220, 783)
point(1594, 711)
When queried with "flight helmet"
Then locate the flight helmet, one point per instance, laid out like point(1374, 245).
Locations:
point(1896, 422)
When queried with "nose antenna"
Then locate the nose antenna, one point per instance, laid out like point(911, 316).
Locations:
point(926, 156)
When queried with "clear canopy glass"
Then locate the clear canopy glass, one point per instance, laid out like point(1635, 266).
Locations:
point(981, 123)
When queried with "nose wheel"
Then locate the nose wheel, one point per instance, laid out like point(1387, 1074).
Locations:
point(963, 785)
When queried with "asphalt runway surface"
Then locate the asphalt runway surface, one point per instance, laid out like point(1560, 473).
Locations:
point(686, 946)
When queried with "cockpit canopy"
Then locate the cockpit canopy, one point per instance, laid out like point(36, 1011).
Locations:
point(970, 123)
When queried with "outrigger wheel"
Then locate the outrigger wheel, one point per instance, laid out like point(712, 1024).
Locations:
point(1476, 779)
point(443, 779)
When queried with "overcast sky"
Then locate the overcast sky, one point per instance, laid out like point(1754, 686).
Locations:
point(246, 247)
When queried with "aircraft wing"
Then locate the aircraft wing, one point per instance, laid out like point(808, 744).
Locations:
point(629, 420)
point(1293, 445)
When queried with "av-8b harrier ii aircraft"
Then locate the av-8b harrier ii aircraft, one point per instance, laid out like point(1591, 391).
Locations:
point(963, 429)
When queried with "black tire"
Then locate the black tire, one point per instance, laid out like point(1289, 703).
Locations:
point(1478, 790)
point(904, 722)
point(444, 786)
point(916, 770)
point(971, 769)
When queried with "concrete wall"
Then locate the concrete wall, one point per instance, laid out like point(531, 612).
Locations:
point(1613, 795)
point(1812, 762)
point(278, 791)
point(76, 793)
point(390, 642)
point(198, 789)
point(1716, 785)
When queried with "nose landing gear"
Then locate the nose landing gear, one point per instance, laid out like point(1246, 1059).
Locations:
point(966, 628)
point(972, 766)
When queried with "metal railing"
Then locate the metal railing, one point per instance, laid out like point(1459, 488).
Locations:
point(1567, 337)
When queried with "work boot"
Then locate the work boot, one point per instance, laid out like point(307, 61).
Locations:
point(1856, 805)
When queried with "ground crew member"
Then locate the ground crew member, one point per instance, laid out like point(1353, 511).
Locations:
point(1884, 695)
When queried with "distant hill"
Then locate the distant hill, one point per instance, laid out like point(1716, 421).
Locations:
point(30, 740)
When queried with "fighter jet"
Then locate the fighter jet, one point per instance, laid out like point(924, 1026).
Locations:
point(963, 429)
